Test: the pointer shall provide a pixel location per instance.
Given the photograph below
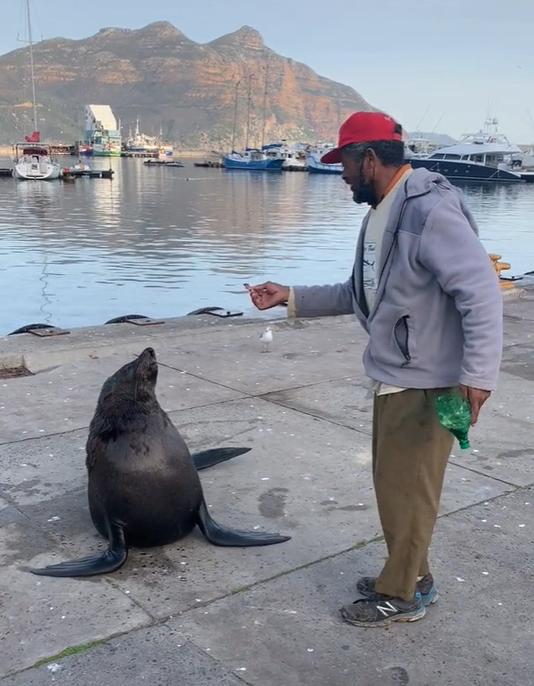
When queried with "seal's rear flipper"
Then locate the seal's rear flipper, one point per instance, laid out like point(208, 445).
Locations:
point(221, 535)
point(209, 458)
point(114, 557)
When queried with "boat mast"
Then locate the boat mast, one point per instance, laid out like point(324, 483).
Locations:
point(235, 115)
point(251, 76)
point(265, 102)
point(29, 20)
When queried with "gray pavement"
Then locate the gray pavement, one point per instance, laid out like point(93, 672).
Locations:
point(198, 615)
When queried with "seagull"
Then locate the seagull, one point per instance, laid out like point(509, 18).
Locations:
point(266, 337)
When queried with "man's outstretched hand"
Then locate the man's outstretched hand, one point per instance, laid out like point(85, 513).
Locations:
point(268, 294)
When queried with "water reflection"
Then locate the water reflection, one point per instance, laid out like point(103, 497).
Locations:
point(163, 242)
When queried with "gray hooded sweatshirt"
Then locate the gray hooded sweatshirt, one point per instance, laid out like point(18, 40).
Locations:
point(437, 317)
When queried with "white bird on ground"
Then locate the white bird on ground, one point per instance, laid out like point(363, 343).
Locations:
point(266, 337)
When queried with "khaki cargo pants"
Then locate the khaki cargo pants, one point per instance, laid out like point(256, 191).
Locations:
point(410, 455)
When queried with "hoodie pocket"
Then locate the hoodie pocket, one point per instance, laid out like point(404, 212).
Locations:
point(401, 335)
point(392, 336)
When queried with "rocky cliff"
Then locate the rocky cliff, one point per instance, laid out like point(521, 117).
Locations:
point(170, 82)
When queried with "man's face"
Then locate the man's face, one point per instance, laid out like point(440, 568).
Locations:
point(359, 175)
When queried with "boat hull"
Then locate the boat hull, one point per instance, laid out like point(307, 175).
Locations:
point(43, 171)
point(316, 167)
point(104, 151)
point(456, 170)
point(253, 165)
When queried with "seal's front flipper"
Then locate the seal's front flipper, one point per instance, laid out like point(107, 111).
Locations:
point(209, 458)
point(221, 535)
point(114, 557)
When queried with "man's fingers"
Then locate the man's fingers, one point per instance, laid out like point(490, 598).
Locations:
point(477, 399)
point(475, 409)
point(260, 287)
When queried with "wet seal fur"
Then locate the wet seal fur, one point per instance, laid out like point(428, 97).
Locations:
point(143, 483)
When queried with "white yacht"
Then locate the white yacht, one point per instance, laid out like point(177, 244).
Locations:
point(32, 161)
point(313, 160)
point(486, 156)
point(417, 146)
point(294, 159)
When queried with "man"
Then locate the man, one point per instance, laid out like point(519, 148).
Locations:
point(423, 288)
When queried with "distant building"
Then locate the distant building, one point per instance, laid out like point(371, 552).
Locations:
point(102, 131)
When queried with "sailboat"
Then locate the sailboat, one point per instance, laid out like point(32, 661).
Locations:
point(32, 160)
point(250, 159)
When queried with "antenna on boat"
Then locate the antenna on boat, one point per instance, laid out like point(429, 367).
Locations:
point(420, 122)
point(30, 40)
point(437, 123)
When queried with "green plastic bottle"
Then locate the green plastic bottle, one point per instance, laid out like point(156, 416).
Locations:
point(454, 414)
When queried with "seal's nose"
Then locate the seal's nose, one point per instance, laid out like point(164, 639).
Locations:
point(150, 351)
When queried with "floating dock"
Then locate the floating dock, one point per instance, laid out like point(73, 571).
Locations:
point(90, 173)
point(209, 164)
point(6, 173)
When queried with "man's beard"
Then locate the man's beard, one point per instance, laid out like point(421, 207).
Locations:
point(365, 193)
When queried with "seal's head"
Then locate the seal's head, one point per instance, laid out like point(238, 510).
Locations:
point(134, 383)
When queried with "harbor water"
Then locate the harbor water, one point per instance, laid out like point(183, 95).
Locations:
point(162, 242)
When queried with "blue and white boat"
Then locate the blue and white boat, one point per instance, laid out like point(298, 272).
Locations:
point(252, 160)
point(313, 160)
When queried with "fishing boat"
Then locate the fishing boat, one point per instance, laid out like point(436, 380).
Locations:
point(85, 149)
point(140, 144)
point(102, 131)
point(313, 160)
point(32, 159)
point(252, 159)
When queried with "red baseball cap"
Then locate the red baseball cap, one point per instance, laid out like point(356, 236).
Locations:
point(363, 127)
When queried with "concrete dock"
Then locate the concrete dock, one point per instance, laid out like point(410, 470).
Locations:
point(196, 615)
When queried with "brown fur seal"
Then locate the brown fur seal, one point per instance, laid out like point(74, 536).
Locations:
point(144, 489)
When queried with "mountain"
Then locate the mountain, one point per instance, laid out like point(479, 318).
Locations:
point(171, 82)
point(441, 139)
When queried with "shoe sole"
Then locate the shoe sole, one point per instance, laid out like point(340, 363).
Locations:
point(383, 622)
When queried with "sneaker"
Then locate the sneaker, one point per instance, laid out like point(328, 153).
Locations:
point(383, 611)
point(429, 594)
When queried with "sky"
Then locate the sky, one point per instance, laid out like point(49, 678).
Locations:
point(434, 66)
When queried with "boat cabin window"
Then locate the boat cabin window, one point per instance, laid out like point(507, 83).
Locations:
point(493, 160)
point(451, 156)
point(438, 156)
